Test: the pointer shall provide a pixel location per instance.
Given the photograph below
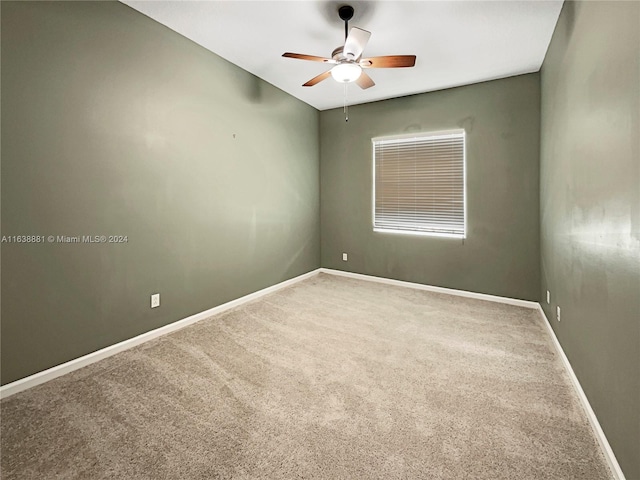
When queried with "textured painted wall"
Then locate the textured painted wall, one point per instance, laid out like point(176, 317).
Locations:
point(590, 209)
point(500, 254)
point(114, 124)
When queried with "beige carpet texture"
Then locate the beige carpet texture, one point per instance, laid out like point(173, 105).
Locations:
point(331, 378)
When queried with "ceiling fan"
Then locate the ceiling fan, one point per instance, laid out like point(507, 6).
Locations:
point(347, 60)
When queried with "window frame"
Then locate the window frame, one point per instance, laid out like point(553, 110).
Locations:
point(422, 135)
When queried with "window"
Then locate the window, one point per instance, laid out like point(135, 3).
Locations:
point(419, 184)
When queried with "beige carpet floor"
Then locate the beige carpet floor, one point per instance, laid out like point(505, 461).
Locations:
point(332, 378)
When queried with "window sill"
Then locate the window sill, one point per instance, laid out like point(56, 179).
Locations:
point(421, 234)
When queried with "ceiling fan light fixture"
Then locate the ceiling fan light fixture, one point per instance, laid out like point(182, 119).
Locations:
point(346, 72)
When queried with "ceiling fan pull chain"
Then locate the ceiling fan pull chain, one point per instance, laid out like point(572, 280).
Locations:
point(346, 107)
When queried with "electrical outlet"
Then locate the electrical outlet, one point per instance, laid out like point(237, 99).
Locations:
point(155, 300)
point(558, 313)
point(344, 257)
point(548, 297)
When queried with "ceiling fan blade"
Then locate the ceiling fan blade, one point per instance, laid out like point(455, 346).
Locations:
point(313, 58)
point(390, 61)
point(318, 79)
point(355, 43)
point(364, 81)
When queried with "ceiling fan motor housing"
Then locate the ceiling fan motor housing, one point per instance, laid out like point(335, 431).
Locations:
point(347, 70)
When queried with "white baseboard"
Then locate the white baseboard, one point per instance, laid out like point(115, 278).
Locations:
point(593, 420)
point(67, 367)
point(448, 291)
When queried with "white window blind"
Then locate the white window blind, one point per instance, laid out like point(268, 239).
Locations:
point(419, 184)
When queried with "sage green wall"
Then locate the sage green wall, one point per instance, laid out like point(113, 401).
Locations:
point(590, 209)
point(501, 253)
point(114, 124)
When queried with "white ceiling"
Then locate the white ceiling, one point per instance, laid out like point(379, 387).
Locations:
point(456, 42)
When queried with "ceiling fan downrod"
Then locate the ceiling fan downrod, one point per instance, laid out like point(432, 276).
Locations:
point(346, 14)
